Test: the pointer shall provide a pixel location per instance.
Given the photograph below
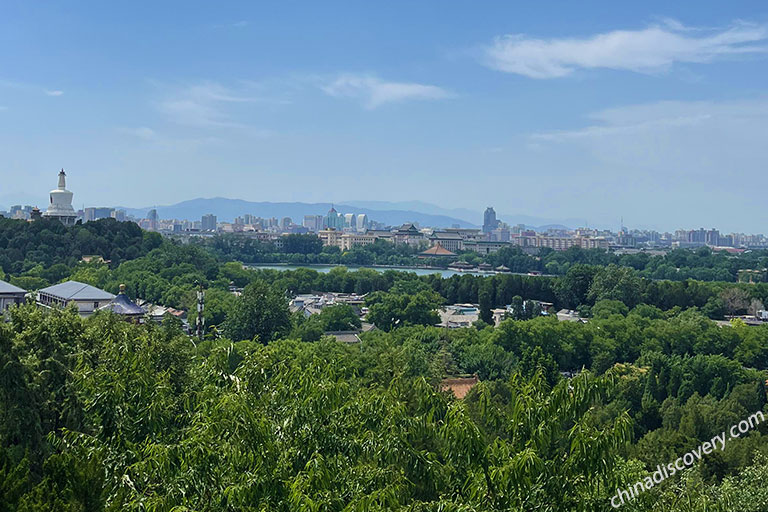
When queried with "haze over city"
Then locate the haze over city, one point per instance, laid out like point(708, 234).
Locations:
point(591, 111)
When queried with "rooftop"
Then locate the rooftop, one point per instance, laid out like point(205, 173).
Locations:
point(459, 386)
point(122, 305)
point(9, 288)
point(446, 235)
point(437, 250)
point(73, 290)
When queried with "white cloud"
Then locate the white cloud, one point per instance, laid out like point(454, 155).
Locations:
point(652, 49)
point(704, 141)
point(374, 92)
point(23, 86)
point(208, 105)
point(668, 163)
point(235, 24)
point(142, 132)
point(619, 128)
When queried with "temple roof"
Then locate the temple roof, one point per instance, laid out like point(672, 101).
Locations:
point(438, 250)
point(122, 305)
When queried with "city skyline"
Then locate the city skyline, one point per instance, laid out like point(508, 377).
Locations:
point(330, 227)
point(61, 198)
point(594, 113)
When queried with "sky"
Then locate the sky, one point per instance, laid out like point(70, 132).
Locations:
point(653, 111)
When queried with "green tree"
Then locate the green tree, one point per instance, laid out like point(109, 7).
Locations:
point(339, 317)
point(615, 283)
point(573, 288)
point(390, 310)
point(485, 301)
point(261, 311)
point(302, 244)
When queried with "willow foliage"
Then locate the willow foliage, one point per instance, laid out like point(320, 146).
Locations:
point(100, 414)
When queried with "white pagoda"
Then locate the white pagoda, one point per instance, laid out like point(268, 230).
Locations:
point(61, 203)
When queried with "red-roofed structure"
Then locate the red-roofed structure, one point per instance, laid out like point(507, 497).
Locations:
point(459, 386)
point(436, 251)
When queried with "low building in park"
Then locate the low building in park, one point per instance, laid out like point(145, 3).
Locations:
point(10, 295)
point(87, 298)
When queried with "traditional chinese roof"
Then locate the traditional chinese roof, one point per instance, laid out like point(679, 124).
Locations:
point(459, 386)
point(461, 264)
point(445, 235)
point(438, 250)
point(122, 305)
point(408, 228)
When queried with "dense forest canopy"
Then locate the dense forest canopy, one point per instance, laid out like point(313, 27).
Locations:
point(101, 414)
point(269, 413)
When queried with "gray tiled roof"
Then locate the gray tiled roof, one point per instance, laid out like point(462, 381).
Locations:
point(9, 288)
point(72, 290)
point(443, 235)
point(122, 305)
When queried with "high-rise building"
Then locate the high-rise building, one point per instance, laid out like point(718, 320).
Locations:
point(333, 220)
point(712, 237)
point(208, 222)
point(61, 203)
point(489, 220)
point(118, 215)
point(152, 218)
point(698, 236)
point(90, 214)
point(313, 222)
point(362, 222)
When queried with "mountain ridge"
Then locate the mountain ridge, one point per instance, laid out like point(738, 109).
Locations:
point(227, 209)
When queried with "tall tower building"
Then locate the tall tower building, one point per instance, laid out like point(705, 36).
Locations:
point(61, 203)
point(208, 222)
point(152, 216)
point(333, 220)
point(362, 222)
point(489, 220)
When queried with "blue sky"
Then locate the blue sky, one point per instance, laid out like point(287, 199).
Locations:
point(654, 111)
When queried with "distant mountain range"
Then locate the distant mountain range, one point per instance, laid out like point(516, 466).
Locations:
point(227, 209)
point(388, 212)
